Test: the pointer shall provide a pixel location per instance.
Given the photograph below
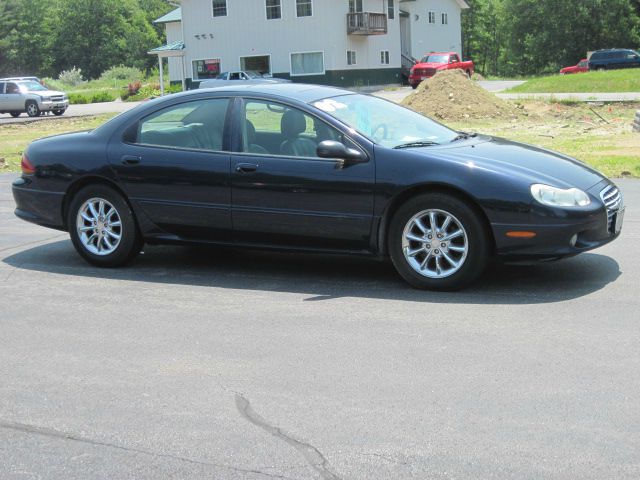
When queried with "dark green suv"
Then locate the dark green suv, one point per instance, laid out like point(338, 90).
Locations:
point(614, 58)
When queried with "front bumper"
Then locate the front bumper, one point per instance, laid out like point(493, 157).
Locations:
point(573, 235)
point(50, 106)
point(414, 80)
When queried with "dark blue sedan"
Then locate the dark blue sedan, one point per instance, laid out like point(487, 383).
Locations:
point(311, 168)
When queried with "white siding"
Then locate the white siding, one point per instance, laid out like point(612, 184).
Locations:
point(246, 31)
point(174, 34)
point(427, 37)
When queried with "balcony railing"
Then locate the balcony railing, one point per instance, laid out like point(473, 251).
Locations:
point(366, 23)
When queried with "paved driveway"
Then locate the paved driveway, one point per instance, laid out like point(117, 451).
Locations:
point(220, 364)
point(75, 111)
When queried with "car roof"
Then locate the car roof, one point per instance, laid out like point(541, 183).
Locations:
point(298, 91)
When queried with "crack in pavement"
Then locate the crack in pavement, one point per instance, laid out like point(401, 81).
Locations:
point(49, 432)
point(315, 458)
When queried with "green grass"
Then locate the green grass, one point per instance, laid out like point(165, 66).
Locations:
point(15, 137)
point(591, 82)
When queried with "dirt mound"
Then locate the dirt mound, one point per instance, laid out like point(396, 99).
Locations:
point(450, 95)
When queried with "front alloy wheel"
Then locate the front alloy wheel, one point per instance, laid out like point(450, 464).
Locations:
point(435, 244)
point(32, 109)
point(438, 241)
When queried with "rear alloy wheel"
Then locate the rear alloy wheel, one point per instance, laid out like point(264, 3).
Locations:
point(32, 109)
point(14, 114)
point(438, 242)
point(57, 113)
point(102, 227)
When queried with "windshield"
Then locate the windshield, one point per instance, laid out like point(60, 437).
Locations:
point(31, 86)
point(435, 59)
point(384, 122)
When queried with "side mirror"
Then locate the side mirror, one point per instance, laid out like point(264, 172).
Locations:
point(338, 151)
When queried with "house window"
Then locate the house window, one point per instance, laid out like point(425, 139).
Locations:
point(205, 69)
point(274, 10)
point(445, 19)
point(355, 6)
point(391, 11)
point(304, 8)
point(307, 63)
point(219, 8)
point(351, 57)
point(256, 63)
point(432, 17)
point(384, 57)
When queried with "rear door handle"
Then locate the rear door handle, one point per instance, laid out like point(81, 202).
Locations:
point(130, 160)
point(246, 167)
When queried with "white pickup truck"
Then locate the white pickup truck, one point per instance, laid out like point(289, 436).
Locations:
point(18, 96)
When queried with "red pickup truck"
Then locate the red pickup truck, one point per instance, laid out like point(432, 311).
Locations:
point(435, 62)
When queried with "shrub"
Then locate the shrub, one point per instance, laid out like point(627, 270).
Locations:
point(134, 87)
point(71, 77)
point(78, 99)
point(102, 96)
point(121, 72)
point(145, 92)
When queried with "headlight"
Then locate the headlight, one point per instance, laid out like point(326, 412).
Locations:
point(46, 99)
point(558, 197)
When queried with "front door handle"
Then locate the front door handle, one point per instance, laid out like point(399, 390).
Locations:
point(246, 167)
point(130, 160)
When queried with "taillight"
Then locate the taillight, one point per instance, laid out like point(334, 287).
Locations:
point(27, 167)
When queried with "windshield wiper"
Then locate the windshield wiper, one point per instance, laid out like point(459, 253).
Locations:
point(424, 143)
point(464, 136)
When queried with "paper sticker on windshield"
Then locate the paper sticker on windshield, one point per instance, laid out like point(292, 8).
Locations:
point(329, 105)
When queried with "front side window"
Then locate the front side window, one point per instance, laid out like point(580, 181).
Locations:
point(307, 63)
point(391, 13)
point(197, 125)
point(304, 8)
point(273, 129)
point(206, 69)
point(383, 122)
point(219, 8)
point(274, 9)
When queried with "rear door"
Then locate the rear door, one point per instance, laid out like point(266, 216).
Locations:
point(284, 194)
point(174, 164)
point(14, 97)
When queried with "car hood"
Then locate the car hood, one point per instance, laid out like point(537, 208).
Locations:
point(537, 165)
point(46, 93)
point(429, 65)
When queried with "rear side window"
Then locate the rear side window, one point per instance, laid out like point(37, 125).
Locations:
point(197, 125)
point(1, 87)
point(597, 56)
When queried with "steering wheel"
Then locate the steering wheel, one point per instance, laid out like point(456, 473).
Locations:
point(385, 132)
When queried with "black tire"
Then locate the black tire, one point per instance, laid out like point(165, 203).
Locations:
point(414, 86)
point(32, 108)
point(57, 113)
point(15, 114)
point(130, 242)
point(477, 241)
point(469, 73)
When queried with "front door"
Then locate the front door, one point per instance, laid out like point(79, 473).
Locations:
point(174, 164)
point(284, 194)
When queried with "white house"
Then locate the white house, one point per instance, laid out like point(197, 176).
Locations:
point(337, 42)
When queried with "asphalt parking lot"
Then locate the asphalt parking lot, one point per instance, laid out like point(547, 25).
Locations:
point(197, 363)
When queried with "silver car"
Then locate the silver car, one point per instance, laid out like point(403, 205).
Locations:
point(240, 77)
point(17, 96)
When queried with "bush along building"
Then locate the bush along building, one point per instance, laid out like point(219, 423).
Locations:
point(347, 43)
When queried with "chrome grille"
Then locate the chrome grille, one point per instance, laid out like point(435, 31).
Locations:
point(57, 98)
point(612, 199)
